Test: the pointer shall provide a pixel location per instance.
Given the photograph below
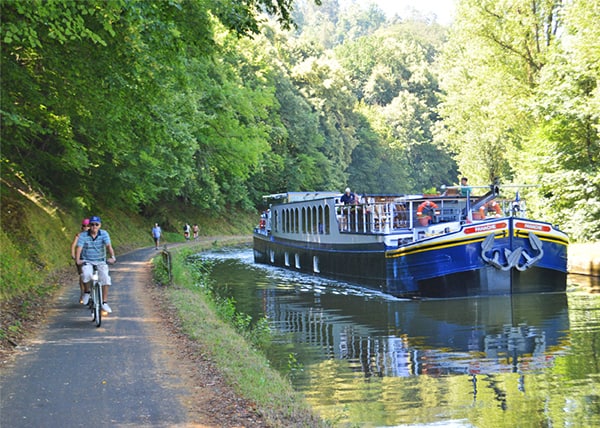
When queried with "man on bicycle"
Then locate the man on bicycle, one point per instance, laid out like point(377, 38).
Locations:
point(91, 247)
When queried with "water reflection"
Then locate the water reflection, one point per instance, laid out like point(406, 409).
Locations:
point(365, 359)
point(384, 338)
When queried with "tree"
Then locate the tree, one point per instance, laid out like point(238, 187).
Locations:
point(521, 102)
point(564, 148)
point(490, 68)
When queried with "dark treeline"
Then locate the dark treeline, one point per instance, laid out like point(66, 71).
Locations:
point(213, 104)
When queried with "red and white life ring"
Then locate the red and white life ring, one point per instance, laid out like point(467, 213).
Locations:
point(425, 212)
point(429, 207)
point(491, 205)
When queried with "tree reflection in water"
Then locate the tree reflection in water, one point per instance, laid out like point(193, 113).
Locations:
point(370, 360)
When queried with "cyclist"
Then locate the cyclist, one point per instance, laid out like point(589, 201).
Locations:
point(85, 226)
point(92, 247)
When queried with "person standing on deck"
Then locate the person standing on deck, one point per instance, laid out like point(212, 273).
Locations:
point(348, 198)
point(465, 190)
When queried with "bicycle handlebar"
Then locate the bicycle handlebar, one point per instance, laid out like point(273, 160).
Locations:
point(88, 262)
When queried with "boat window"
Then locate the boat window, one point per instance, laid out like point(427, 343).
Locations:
point(303, 219)
point(314, 219)
point(308, 220)
point(320, 219)
point(296, 223)
point(327, 220)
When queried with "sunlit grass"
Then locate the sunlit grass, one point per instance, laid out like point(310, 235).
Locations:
point(246, 369)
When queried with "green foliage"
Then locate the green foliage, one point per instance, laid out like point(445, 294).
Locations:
point(162, 269)
point(521, 104)
point(136, 104)
point(18, 276)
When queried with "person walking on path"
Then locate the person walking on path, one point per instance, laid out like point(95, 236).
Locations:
point(195, 230)
point(85, 226)
point(156, 234)
point(186, 232)
point(92, 247)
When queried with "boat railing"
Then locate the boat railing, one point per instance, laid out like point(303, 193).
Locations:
point(397, 215)
point(373, 217)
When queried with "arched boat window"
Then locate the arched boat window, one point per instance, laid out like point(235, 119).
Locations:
point(315, 219)
point(321, 227)
point(296, 222)
point(303, 219)
point(327, 220)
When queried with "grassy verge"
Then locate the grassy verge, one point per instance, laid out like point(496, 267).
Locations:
point(242, 366)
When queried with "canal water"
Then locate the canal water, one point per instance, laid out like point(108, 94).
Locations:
point(365, 359)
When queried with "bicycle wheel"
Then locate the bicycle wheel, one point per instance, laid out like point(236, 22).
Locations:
point(91, 304)
point(97, 304)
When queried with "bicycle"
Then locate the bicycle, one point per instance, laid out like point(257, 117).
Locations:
point(95, 302)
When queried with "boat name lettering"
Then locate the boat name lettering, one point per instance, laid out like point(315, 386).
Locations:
point(485, 227)
point(533, 226)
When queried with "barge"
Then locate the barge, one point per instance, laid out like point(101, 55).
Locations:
point(415, 245)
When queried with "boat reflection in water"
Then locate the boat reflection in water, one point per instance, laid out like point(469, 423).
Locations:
point(362, 358)
point(497, 334)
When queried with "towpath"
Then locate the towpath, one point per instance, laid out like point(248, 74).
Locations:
point(134, 370)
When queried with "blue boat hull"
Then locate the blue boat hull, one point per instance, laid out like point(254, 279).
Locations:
point(465, 263)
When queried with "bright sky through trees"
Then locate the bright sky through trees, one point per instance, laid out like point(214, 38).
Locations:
point(443, 9)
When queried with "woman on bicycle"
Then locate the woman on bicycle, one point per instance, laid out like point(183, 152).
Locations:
point(92, 247)
point(85, 226)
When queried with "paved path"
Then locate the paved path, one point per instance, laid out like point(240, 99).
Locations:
point(75, 374)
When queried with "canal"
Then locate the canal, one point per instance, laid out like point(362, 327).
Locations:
point(366, 359)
